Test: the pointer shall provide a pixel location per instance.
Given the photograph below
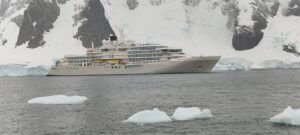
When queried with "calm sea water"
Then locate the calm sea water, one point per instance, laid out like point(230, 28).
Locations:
point(242, 103)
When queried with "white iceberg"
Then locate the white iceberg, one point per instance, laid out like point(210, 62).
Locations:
point(182, 114)
point(289, 116)
point(58, 99)
point(149, 116)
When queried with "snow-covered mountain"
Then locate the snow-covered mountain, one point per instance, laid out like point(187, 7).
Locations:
point(246, 33)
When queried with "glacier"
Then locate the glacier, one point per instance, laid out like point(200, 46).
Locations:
point(22, 70)
point(200, 28)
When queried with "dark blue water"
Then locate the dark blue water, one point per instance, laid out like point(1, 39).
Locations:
point(242, 103)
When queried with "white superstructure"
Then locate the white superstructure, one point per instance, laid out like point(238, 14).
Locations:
point(132, 58)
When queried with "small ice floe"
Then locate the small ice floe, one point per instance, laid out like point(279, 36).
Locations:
point(58, 99)
point(149, 116)
point(289, 116)
point(182, 114)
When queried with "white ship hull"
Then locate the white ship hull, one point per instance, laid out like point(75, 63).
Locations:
point(186, 65)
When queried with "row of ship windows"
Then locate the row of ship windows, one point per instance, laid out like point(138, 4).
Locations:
point(78, 61)
point(143, 59)
point(150, 57)
point(127, 66)
point(114, 67)
point(120, 56)
point(83, 58)
point(145, 55)
point(153, 58)
point(152, 51)
point(131, 55)
point(144, 48)
point(135, 59)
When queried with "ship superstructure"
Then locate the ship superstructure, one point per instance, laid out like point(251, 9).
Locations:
point(132, 58)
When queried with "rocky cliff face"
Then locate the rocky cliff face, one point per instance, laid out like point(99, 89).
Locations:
point(248, 36)
point(95, 27)
point(293, 8)
point(38, 19)
point(40, 15)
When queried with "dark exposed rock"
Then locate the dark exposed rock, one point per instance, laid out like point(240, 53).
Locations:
point(18, 20)
point(267, 8)
point(26, 30)
point(191, 2)
point(248, 37)
point(38, 18)
point(4, 41)
point(293, 9)
point(62, 1)
point(260, 20)
point(291, 48)
point(3, 7)
point(96, 28)
point(132, 4)
point(156, 2)
point(274, 8)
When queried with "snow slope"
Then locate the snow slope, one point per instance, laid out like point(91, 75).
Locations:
point(172, 20)
point(59, 42)
point(200, 30)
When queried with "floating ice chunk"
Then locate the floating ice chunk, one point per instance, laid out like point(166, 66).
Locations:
point(149, 116)
point(58, 99)
point(289, 116)
point(191, 113)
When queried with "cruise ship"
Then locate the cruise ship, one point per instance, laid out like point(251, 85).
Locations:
point(125, 58)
